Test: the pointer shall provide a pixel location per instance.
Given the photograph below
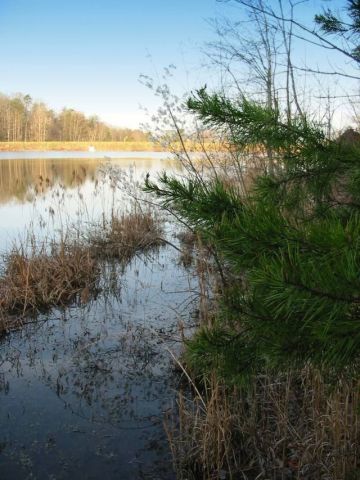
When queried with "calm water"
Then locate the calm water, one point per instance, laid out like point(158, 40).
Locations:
point(83, 390)
point(53, 192)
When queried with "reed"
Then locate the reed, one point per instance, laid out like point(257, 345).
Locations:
point(39, 278)
point(293, 426)
point(126, 235)
point(187, 242)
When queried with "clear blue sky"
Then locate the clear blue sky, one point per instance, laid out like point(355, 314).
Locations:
point(88, 54)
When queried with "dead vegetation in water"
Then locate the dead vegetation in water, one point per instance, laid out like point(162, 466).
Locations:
point(289, 427)
point(187, 240)
point(127, 235)
point(39, 279)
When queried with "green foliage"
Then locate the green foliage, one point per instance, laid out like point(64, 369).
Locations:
point(329, 23)
point(249, 123)
point(348, 29)
point(291, 245)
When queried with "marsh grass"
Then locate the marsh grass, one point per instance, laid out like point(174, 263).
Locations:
point(40, 278)
point(126, 235)
point(36, 277)
point(287, 427)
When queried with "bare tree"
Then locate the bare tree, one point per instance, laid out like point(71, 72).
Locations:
point(254, 52)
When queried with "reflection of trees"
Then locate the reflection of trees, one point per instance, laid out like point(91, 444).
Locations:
point(24, 178)
point(20, 178)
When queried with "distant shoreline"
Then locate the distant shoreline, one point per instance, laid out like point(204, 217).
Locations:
point(130, 146)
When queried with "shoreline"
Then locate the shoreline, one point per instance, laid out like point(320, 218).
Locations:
point(81, 155)
point(91, 147)
point(78, 146)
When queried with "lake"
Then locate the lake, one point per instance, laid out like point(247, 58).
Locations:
point(83, 389)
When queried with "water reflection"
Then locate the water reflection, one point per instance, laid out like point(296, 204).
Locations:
point(86, 388)
point(83, 390)
point(49, 194)
point(21, 178)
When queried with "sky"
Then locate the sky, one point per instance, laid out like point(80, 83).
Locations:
point(89, 54)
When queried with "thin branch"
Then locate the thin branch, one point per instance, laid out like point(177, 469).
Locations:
point(306, 29)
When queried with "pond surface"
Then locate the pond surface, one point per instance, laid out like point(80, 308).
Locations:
point(83, 390)
point(49, 193)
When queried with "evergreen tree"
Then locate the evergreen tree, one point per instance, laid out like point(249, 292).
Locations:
point(291, 245)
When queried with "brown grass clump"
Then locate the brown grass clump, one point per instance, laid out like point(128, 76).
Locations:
point(35, 279)
point(40, 279)
point(126, 235)
point(291, 427)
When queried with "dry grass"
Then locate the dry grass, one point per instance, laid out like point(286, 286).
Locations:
point(289, 427)
point(37, 280)
point(126, 235)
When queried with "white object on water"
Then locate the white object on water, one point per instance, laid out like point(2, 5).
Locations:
point(91, 148)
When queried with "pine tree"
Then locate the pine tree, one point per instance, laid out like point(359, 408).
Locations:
point(291, 245)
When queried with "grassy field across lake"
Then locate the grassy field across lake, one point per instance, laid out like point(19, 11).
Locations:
point(79, 146)
point(129, 146)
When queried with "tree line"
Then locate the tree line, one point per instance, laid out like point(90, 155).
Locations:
point(23, 119)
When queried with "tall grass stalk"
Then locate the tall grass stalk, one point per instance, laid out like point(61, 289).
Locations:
point(293, 426)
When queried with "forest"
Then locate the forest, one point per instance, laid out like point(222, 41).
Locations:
point(22, 120)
